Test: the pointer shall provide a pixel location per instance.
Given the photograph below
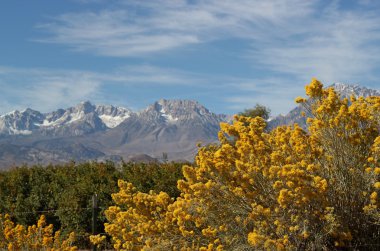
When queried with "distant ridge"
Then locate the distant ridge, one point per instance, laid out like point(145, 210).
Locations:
point(81, 119)
point(87, 131)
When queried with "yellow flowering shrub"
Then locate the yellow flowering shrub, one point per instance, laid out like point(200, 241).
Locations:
point(287, 189)
point(36, 237)
point(97, 240)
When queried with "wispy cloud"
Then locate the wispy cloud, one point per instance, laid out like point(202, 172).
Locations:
point(336, 46)
point(295, 37)
point(289, 41)
point(47, 89)
point(44, 89)
point(117, 33)
point(149, 75)
point(135, 28)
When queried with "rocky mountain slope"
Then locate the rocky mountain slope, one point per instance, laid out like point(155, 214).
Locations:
point(88, 131)
point(173, 127)
point(82, 119)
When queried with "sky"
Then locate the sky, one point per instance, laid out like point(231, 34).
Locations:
point(226, 54)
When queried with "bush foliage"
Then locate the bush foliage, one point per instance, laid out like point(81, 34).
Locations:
point(63, 192)
point(286, 189)
point(36, 237)
point(257, 111)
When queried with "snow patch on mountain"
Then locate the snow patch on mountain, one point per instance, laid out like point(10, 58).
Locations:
point(167, 116)
point(80, 119)
point(48, 123)
point(346, 90)
point(113, 121)
point(75, 117)
point(112, 116)
point(66, 119)
point(12, 113)
point(19, 132)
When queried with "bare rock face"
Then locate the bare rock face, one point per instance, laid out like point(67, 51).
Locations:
point(346, 90)
point(81, 119)
point(167, 126)
point(87, 132)
point(20, 123)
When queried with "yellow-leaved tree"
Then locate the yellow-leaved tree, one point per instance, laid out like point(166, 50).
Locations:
point(37, 237)
point(287, 189)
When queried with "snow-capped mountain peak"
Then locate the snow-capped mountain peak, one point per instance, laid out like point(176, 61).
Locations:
point(86, 132)
point(167, 116)
point(70, 115)
point(165, 111)
point(77, 120)
point(20, 122)
point(174, 110)
point(346, 90)
point(112, 116)
point(85, 118)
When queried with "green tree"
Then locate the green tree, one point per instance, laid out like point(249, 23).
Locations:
point(63, 192)
point(257, 111)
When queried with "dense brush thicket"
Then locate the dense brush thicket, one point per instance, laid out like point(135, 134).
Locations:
point(286, 189)
point(63, 192)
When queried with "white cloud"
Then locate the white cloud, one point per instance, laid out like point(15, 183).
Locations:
point(49, 89)
point(44, 90)
point(150, 75)
point(135, 28)
point(296, 37)
point(112, 33)
point(291, 41)
point(337, 46)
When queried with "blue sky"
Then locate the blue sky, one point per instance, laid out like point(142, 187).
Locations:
point(228, 55)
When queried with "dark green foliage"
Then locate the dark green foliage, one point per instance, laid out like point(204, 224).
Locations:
point(63, 192)
point(154, 176)
point(257, 111)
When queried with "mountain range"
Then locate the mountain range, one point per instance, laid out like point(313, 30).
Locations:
point(166, 129)
point(88, 132)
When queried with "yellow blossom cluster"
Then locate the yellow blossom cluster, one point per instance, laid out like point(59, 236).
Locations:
point(287, 189)
point(97, 240)
point(36, 237)
point(137, 219)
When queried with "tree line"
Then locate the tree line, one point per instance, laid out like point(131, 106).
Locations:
point(63, 192)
